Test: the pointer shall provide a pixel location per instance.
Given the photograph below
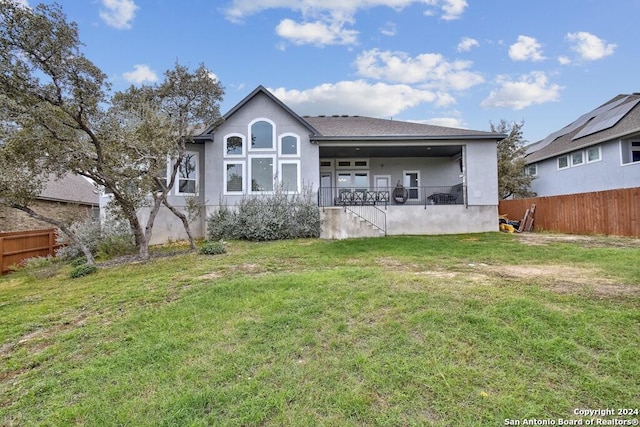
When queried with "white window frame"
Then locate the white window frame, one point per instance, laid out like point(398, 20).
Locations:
point(273, 135)
point(298, 177)
point(244, 145)
point(225, 191)
point(632, 150)
point(568, 162)
point(352, 164)
point(528, 169)
point(250, 172)
point(573, 164)
point(280, 142)
point(586, 154)
point(196, 178)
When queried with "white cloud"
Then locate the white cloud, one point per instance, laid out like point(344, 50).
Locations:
point(590, 47)
point(467, 43)
point(118, 13)
point(563, 60)
point(357, 98)
point(533, 88)
point(453, 9)
point(450, 122)
point(526, 48)
point(327, 19)
point(140, 74)
point(317, 33)
point(429, 69)
point(389, 29)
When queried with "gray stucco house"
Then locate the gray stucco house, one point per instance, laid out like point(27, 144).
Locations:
point(598, 151)
point(371, 176)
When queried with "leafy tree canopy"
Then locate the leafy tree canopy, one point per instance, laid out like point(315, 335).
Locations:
point(512, 180)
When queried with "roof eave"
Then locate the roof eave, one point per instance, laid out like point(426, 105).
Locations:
point(495, 137)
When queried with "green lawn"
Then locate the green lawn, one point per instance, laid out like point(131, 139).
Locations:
point(434, 330)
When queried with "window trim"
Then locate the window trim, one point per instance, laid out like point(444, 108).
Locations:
point(250, 172)
point(280, 143)
point(574, 165)
point(298, 177)
point(632, 150)
point(568, 162)
point(273, 135)
point(586, 154)
point(196, 178)
point(528, 171)
point(225, 190)
point(352, 164)
point(225, 152)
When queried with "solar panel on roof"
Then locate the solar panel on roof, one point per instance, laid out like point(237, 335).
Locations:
point(580, 121)
point(607, 119)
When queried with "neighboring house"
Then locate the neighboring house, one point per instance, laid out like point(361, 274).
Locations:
point(599, 151)
point(448, 176)
point(71, 196)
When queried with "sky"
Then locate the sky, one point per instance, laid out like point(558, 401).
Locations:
point(456, 63)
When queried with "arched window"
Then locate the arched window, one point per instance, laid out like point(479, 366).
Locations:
point(262, 132)
point(234, 145)
point(289, 145)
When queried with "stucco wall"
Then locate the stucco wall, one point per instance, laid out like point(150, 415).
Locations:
point(259, 107)
point(481, 165)
point(416, 220)
point(606, 174)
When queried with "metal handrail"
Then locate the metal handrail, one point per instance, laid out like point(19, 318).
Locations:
point(371, 214)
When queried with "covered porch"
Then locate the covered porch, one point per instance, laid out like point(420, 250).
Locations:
point(406, 173)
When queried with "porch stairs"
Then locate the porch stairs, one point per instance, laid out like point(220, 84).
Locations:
point(353, 221)
point(373, 216)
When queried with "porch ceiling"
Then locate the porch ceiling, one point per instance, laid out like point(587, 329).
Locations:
point(364, 151)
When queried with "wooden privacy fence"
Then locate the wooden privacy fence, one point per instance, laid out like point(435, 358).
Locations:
point(613, 212)
point(17, 246)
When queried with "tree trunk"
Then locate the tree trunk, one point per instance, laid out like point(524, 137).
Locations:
point(185, 223)
point(85, 250)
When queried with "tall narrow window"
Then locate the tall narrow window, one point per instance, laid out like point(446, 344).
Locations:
point(261, 135)
point(635, 151)
point(188, 174)
point(262, 174)
point(234, 177)
point(290, 176)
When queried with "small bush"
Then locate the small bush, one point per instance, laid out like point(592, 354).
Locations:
point(83, 270)
point(78, 261)
point(213, 248)
point(106, 240)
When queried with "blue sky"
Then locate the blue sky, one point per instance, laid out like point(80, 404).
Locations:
point(458, 63)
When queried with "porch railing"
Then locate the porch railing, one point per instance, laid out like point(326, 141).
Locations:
point(384, 196)
point(371, 214)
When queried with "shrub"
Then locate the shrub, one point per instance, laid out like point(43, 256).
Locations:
point(213, 248)
point(83, 270)
point(109, 239)
point(267, 217)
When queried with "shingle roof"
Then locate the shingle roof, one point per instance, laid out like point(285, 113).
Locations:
point(616, 118)
point(358, 126)
point(70, 188)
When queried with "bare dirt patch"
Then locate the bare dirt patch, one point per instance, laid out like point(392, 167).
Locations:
point(541, 239)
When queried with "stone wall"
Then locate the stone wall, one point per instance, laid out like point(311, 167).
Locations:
point(15, 220)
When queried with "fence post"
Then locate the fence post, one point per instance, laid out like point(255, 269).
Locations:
point(52, 242)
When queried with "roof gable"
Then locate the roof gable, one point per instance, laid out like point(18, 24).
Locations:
point(260, 90)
